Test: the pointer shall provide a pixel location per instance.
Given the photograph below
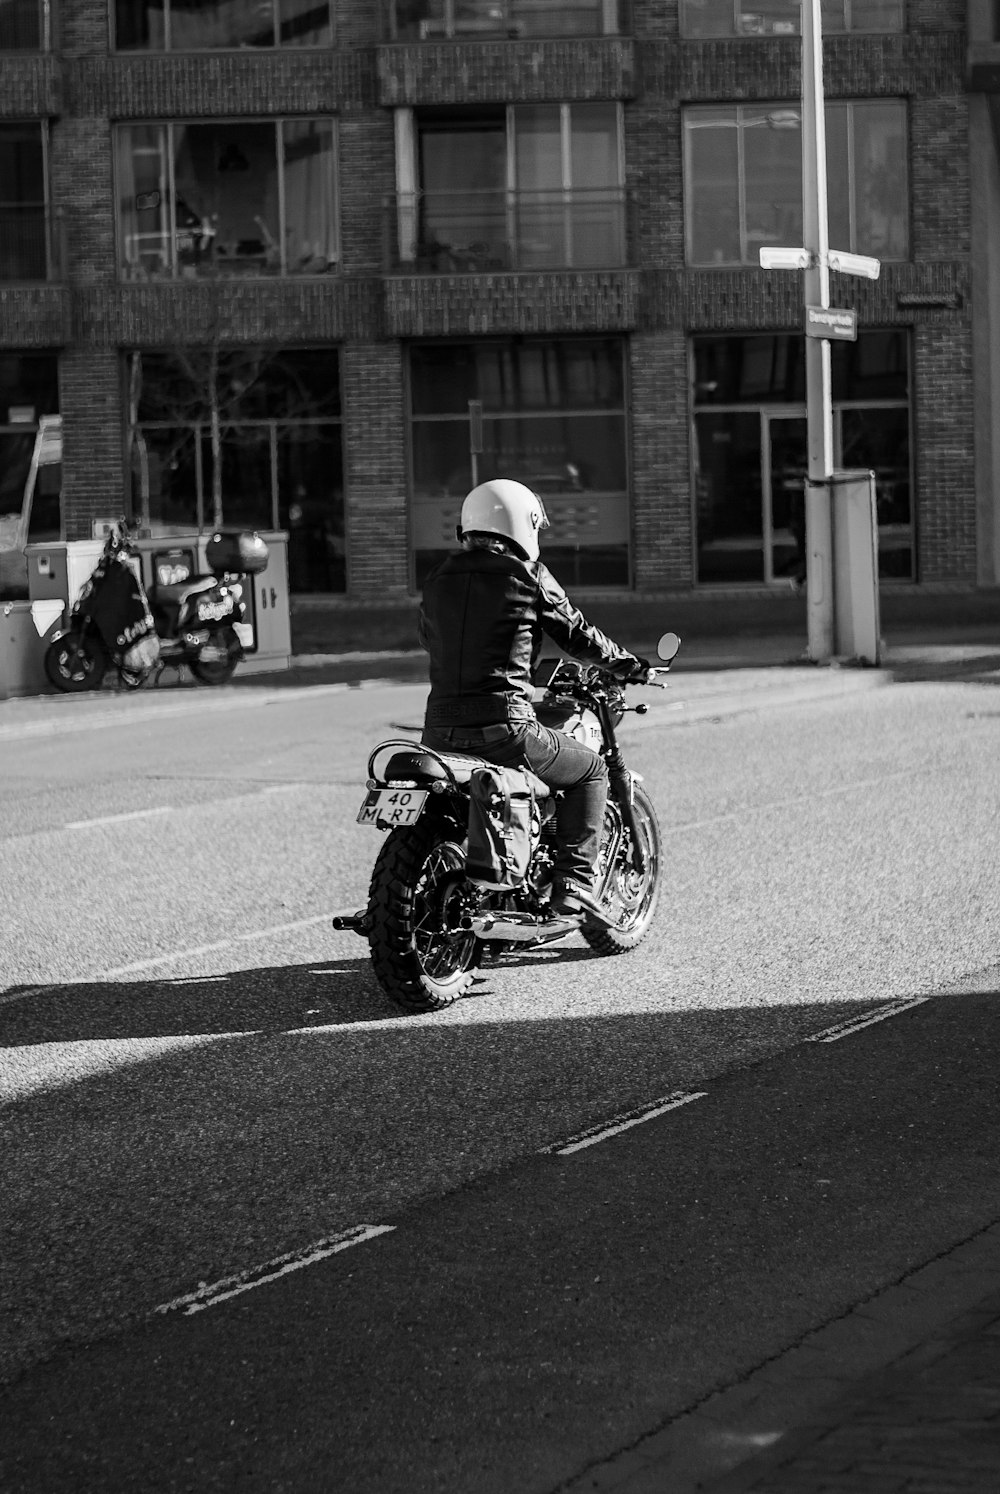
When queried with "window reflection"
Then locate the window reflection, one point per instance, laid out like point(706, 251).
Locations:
point(743, 179)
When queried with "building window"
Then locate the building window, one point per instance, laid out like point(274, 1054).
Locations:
point(25, 247)
point(245, 436)
point(231, 197)
point(29, 389)
point(431, 20)
point(528, 187)
point(751, 456)
point(743, 179)
point(782, 17)
point(553, 416)
point(208, 25)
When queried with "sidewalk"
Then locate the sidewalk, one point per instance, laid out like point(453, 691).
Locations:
point(711, 676)
point(900, 1396)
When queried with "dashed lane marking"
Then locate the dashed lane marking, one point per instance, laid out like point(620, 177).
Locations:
point(210, 1294)
point(117, 819)
point(621, 1123)
point(138, 966)
point(144, 814)
point(868, 1019)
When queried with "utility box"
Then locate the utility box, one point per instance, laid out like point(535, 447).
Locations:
point(58, 570)
point(857, 616)
point(26, 629)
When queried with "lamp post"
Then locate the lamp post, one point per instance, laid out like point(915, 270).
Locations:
point(815, 260)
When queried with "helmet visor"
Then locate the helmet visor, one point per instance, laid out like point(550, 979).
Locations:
point(543, 518)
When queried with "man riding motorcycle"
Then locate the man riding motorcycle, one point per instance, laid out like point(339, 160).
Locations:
point(483, 614)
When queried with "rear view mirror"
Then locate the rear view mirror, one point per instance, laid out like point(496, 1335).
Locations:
point(667, 647)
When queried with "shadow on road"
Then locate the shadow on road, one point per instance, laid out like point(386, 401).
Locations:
point(126, 1188)
point(276, 999)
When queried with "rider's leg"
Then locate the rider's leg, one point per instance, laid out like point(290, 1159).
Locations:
point(561, 763)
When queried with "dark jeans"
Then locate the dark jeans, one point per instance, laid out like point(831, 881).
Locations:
point(560, 763)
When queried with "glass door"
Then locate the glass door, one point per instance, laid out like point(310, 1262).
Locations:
point(785, 465)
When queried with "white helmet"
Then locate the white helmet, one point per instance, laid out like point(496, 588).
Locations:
point(508, 508)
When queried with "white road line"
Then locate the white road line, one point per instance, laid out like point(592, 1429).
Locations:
point(165, 959)
point(623, 1123)
point(116, 819)
point(868, 1019)
point(210, 1294)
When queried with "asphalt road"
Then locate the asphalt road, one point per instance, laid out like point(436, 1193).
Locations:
point(200, 1077)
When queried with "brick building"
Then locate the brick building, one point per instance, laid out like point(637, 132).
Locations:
point(317, 264)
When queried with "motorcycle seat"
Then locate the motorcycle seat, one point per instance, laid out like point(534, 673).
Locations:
point(459, 766)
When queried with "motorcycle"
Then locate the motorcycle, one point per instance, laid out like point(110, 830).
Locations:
point(192, 621)
point(429, 926)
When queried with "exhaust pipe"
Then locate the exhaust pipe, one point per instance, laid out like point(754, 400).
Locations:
point(354, 923)
point(519, 928)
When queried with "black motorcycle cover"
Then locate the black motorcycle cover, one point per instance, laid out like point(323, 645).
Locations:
point(118, 605)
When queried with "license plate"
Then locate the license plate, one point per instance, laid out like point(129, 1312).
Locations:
point(392, 807)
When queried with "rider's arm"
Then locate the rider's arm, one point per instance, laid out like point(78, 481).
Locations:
point(566, 625)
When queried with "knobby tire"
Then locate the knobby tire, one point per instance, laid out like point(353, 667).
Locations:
point(635, 898)
point(417, 874)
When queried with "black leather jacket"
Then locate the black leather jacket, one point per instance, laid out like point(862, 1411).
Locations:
point(482, 620)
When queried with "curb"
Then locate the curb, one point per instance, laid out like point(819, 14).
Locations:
point(737, 1436)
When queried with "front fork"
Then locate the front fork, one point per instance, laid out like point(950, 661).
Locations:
point(622, 785)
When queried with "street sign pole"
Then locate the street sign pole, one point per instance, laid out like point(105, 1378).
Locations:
point(819, 389)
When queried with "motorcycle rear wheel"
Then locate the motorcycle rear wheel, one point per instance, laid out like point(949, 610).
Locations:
point(219, 671)
point(631, 897)
point(76, 661)
point(422, 960)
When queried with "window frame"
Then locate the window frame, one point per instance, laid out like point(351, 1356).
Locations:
point(44, 202)
point(732, 113)
point(235, 46)
point(170, 231)
point(736, 33)
point(412, 193)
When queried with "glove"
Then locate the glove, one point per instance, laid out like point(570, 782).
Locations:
point(640, 674)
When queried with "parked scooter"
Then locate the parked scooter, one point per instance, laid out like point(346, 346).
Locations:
point(429, 923)
point(115, 623)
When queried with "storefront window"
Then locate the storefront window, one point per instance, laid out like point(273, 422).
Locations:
point(29, 389)
point(783, 17)
point(751, 455)
point(204, 25)
point(553, 416)
point(279, 441)
point(743, 179)
point(228, 198)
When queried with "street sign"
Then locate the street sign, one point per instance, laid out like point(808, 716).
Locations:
point(840, 325)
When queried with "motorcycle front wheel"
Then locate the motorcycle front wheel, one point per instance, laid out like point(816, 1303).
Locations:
point(219, 671)
point(423, 959)
point(76, 661)
point(630, 896)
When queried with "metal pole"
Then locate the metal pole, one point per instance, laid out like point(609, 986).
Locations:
point(819, 389)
